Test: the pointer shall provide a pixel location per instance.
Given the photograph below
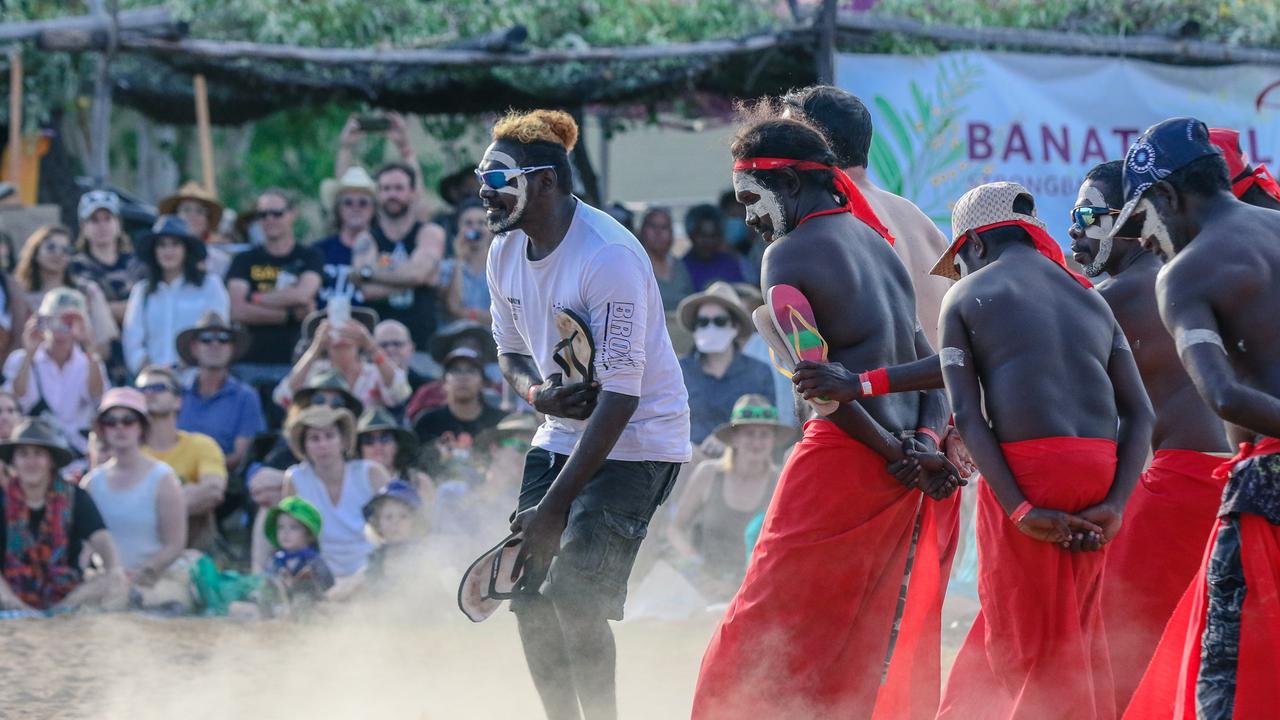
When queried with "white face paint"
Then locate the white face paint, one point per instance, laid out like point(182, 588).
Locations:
point(1098, 231)
point(767, 205)
point(1154, 227)
point(496, 159)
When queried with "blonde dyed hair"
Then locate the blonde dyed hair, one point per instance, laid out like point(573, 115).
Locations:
point(550, 126)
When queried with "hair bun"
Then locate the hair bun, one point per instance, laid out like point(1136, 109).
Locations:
point(553, 126)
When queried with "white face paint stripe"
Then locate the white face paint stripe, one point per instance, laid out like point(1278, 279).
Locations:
point(1198, 336)
point(951, 356)
point(767, 206)
point(511, 163)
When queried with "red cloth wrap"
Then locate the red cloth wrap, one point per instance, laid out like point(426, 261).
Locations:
point(1259, 176)
point(1167, 690)
point(1037, 648)
point(854, 202)
point(1154, 557)
point(808, 631)
point(1044, 244)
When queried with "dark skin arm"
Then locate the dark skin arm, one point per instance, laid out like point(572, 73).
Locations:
point(833, 381)
point(964, 388)
point(575, 402)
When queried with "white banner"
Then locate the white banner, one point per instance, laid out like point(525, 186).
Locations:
point(945, 123)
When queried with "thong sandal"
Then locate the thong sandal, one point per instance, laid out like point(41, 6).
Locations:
point(780, 351)
point(487, 582)
point(793, 320)
point(576, 351)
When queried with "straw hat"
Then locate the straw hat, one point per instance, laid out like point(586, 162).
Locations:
point(723, 294)
point(754, 410)
point(211, 320)
point(355, 179)
point(376, 419)
point(319, 416)
point(38, 433)
point(298, 509)
point(192, 190)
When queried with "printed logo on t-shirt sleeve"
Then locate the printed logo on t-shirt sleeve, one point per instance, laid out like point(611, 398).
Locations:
point(619, 325)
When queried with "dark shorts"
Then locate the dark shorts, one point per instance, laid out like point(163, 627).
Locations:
point(607, 522)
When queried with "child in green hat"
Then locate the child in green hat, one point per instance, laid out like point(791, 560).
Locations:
point(293, 527)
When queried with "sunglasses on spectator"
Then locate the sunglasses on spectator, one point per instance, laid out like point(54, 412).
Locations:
point(336, 401)
point(392, 344)
point(1083, 217)
point(56, 248)
point(498, 179)
point(514, 444)
point(214, 336)
point(277, 214)
point(118, 419)
point(721, 321)
point(157, 388)
point(356, 202)
point(379, 437)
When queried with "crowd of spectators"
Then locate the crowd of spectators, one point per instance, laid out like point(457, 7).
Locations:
point(306, 412)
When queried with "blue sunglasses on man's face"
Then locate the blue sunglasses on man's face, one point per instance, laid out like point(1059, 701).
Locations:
point(498, 179)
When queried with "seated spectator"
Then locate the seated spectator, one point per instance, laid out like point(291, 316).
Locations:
point(214, 403)
point(716, 373)
point(14, 311)
point(470, 514)
point(398, 524)
point(45, 265)
point(708, 259)
point(455, 335)
point(349, 351)
point(103, 250)
point(462, 277)
point(387, 443)
point(46, 523)
point(196, 459)
point(449, 432)
point(725, 495)
point(337, 487)
point(272, 290)
point(10, 414)
point(350, 202)
point(57, 373)
point(293, 528)
point(173, 298)
point(202, 212)
point(393, 339)
point(656, 237)
point(141, 501)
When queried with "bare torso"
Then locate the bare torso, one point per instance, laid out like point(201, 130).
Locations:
point(862, 300)
point(1183, 420)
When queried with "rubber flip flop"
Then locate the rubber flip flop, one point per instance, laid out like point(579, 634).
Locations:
point(576, 351)
point(487, 582)
point(780, 351)
point(793, 319)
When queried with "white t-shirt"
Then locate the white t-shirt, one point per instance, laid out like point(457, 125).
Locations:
point(600, 272)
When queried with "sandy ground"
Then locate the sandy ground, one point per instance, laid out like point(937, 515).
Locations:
point(387, 661)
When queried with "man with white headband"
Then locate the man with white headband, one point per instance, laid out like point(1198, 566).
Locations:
point(1218, 297)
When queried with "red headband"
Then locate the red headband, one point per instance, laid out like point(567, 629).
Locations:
point(1259, 176)
point(854, 202)
point(1044, 244)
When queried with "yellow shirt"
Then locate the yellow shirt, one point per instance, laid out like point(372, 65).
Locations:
point(192, 456)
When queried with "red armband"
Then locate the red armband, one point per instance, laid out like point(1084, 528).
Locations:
point(874, 382)
point(533, 390)
point(1020, 512)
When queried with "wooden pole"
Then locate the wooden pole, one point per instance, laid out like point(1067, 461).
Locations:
point(827, 43)
point(100, 116)
point(15, 114)
point(205, 134)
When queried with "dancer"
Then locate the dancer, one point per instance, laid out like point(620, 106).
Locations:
point(1217, 294)
point(809, 632)
point(1049, 401)
point(1254, 185)
point(1175, 502)
point(611, 446)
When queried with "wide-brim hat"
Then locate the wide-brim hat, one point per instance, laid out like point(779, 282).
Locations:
point(211, 320)
point(376, 419)
point(329, 379)
point(39, 433)
point(355, 179)
point(720, 293)
point(300, 510)
point(394, 490)
point(318, 416)
point(447, 337)
point(175, 227)
point(755, 411)
point(487, 582)
point(363, 315)
point(192, 190)
point(517, 424)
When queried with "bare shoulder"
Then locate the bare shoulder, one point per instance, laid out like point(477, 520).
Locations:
point(431, 235)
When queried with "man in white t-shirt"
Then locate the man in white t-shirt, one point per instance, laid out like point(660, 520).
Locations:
point(610, 449)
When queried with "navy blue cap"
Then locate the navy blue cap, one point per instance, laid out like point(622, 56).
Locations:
point(1164, 148)
point(394, 490)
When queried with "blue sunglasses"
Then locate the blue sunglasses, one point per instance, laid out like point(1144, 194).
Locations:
point(498, 179)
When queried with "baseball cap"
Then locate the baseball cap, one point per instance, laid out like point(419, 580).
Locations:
point(462, 354)
point(1161, 150)
point(98, 200)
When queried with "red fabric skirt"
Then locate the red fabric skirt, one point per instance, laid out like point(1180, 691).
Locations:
point(809, 629)
point(1155, 556)
point(1037, 648)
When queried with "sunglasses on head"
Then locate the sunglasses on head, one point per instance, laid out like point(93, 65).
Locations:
point(156, 388)
point(118, 419)
point(214, 336)
point(721, 321)
point(356, 202)
point(277, 214)
point(498, 179)
point(378, 437)
point(1083, 217)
